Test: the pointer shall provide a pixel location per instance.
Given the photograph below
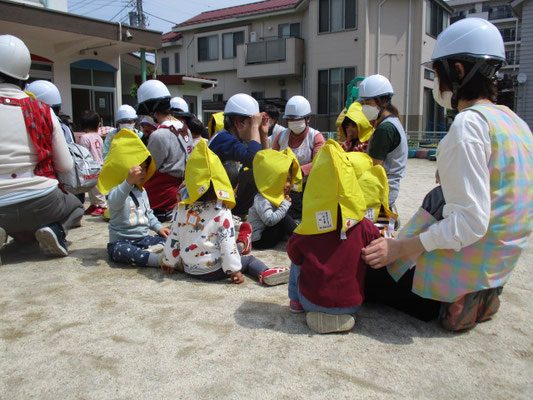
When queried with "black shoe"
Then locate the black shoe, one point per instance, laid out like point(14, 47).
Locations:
point(52, 240)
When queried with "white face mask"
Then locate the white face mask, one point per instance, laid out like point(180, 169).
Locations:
point(443, 99)
point(127, 126)
point(371, 113)
point(297, 126)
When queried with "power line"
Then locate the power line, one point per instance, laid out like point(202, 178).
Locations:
point(122, 9)
point(162, 19)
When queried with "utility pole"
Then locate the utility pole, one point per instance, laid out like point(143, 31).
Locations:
point(141, 23)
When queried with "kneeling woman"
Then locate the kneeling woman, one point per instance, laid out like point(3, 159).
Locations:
point(466, 249)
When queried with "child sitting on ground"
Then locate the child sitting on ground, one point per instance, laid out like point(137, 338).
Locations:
point(327, 272)
point(202, 239)
point(276, 174)
point(127, 167)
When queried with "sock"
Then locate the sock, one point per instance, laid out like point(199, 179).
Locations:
point(153, 260)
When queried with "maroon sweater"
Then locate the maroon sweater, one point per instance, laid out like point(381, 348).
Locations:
point(332, 271)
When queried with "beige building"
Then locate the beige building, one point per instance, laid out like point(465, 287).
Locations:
point(276, 49)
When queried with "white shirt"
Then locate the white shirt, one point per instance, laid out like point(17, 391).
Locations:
point(18, 155)
point(463, 165)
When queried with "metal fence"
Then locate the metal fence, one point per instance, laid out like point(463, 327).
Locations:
point(265, 51)
point(415, 138)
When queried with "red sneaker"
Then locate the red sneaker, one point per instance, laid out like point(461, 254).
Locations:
point(98, 211)
point(275, 276)
point(90, 209)
point(245, 236)
point(295, 307)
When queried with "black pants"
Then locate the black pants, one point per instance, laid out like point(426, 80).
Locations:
point(246, 191)
point(272, 235)
point(381, 288)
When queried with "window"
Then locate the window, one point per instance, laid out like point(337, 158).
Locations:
point(218, 97)
point(176, 63)
point(500, 12)
point(283, 94)
point(230, 42)
point(434, 116)
point(92, 77)
point(436, 18)
point(429, 74)
point(258, 95)
point(458, 15)
point(208, 48)
point(337, 15)
point(508, 34)
point(289, 30)
point(164, 65)
point(332, 85)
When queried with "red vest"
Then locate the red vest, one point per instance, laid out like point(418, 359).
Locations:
point(38, 120)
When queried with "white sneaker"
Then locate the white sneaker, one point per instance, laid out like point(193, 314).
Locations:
point(329, 323)
point(237, 222)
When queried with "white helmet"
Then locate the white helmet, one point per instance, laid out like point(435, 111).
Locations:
point(46, 92)
point(178, 103)
point(150, 95)
point(375, 86)
point(475, 40)
point(126, 113)
point(15, 59)
point(297, 107)
point(241, 104)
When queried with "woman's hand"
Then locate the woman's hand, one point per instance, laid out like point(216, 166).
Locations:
point(381, 252)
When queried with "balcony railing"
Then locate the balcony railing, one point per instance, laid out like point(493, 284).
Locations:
point(266, 51)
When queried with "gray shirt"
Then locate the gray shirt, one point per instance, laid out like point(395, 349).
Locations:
point(168, 152)
point(263, 213)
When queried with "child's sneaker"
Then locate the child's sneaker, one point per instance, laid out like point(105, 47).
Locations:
point(245, 236)
point(52, 240)
point(295, 307)
point(98, 211)
point(275, 276)
point(329, 323)
point(90, 209)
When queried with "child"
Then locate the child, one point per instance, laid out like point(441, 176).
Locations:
point(275, 174)
point(127, 167)
point(327, 272)
point(90, 121)
point(202, 238)
point(354, 129)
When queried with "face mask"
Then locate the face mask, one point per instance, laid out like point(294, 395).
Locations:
point(443, 99)
point(297, 126)
point(371, 113)
point(127, 126)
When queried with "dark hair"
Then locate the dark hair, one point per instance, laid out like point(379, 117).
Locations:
point(346, 122)
point(209, 195)
point(14, 81)
point(388, 105)
point(271, 110)
point(196, 127)
point(147, 161)
point(230, 119)
point(89, 119)
point(478, 87)
point(156, 105)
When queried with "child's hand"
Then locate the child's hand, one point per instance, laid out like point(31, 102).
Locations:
point(164, 232)
point(237, 277)
point(135, 175)
point(288, 198)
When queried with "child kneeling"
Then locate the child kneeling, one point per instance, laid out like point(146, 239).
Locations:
point(327, 272)
point(129, 208)
point(202, 238)
point(276, 174)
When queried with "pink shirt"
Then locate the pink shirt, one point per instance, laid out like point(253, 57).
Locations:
point(94, 143)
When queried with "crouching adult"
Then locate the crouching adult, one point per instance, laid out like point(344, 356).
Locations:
point(33, 151)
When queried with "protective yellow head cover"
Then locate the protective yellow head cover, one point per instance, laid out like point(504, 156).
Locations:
point(126, 151)
point(375, 186)
point(270, 173)
point(361, 162)
point(216, 123)
point(331, 184)
point(355, 114)
point(203, 169)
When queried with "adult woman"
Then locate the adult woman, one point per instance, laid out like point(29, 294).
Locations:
point(468, 245)
point(388, 144)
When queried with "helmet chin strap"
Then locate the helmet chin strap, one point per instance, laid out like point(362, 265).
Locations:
point(458, 85)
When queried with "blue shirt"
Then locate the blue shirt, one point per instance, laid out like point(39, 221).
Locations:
point(228, 148)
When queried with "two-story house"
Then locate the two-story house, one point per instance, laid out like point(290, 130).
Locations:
point(275, 49)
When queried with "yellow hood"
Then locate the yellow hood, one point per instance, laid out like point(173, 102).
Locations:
point(216, 123)
point(375, 186)
point(203, 169)
point(270, 169)
point(331, 184)
point(361, 162)
point(126, 151)
point(355, 113)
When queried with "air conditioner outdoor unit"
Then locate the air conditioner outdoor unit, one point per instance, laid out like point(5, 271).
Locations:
point(253, 37)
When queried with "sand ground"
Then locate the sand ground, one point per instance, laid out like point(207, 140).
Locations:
point(81, 327)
